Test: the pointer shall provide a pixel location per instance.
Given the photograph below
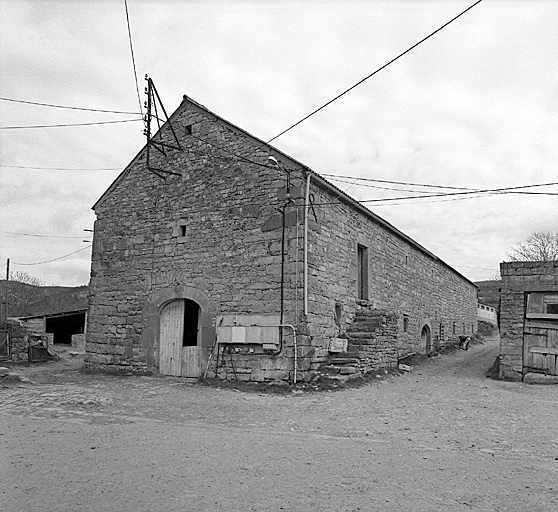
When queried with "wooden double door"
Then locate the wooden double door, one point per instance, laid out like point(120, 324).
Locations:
point(180, 339)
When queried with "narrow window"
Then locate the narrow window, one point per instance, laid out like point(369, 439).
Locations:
point(362, 272)
point(182, 230)
point(454, 328)
point(188, 129)
point(405, 323)
point(441, 331)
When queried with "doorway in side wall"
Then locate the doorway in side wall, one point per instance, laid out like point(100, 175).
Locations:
point(179, 340)
point(426, 339)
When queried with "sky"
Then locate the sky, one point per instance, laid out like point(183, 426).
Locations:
point(474, 106)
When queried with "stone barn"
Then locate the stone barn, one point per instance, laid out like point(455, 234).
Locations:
point(229, 258)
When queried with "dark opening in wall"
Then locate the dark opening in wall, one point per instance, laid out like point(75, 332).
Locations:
point(188, 129)
point(405, 323)
point(191, 318)
point(338, 313)
point(182, 230)
point(362, 272)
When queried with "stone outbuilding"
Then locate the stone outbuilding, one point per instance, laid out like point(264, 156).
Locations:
point(529, 320)
point(229, 258)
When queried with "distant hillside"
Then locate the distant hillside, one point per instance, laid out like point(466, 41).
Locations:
point(28, 300)
point(489, 292)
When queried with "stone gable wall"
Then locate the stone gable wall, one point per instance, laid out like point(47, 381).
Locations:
point(229, 249)
point(518, 278)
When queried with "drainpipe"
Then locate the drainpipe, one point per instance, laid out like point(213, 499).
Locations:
point(295, 348)
point(306, 212)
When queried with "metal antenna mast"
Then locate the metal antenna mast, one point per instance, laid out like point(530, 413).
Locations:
point(156, 142)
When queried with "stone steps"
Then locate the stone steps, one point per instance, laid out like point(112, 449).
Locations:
point(366, 336)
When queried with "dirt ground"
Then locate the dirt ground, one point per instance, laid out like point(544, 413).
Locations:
point(442, 437)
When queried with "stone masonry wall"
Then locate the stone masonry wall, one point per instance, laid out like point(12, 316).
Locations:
point(519, 278)
point(418, 288)
point(216, 230)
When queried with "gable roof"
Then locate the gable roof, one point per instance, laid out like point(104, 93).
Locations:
point(341, 195)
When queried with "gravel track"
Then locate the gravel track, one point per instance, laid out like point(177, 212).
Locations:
point(442, 437)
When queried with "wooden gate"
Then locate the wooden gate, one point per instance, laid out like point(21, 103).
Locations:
point(179, 350)
point(540, 347)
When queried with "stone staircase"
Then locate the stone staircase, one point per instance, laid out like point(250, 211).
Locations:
point(371, 345)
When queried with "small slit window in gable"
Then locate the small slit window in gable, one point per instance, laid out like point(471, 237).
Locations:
point(182, 228)
point(188, 129)
point(405, 323)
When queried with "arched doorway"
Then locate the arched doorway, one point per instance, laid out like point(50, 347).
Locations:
point(179, 347)
point(426, 339)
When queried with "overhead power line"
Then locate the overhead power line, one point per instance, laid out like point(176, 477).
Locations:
point(55, 259)
point(373, 73)
point(132, 52)
point(62, 168)
point(70, 108)
point(393, 182)
point(36, 235)
point(494, 190)
point(69, 124)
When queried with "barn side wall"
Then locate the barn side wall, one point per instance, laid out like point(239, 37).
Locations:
point(419, 289)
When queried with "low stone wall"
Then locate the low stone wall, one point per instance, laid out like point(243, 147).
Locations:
point(20, 338)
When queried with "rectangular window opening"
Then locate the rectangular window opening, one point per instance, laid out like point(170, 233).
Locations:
point(182, 230)
point(362, 272)
point(542, 305)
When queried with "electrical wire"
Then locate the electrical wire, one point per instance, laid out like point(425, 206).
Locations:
point(70, 108)
point(55, 259)
point(363, 80)
point(353, 182)
point(133, 59)
point(39, 236)
point(457, 193)
point(393, 182)
point(373, 73)
point(62, 168)
point(426, 192)
point(70, 124)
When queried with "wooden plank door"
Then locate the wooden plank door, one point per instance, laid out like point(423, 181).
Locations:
point(171, 334)
point(540, 348)
point(191, 362)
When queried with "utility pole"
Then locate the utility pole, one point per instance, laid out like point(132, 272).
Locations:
point(6, 296)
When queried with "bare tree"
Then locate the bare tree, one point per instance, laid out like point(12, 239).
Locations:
point(23, 290)
point(540, 246)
